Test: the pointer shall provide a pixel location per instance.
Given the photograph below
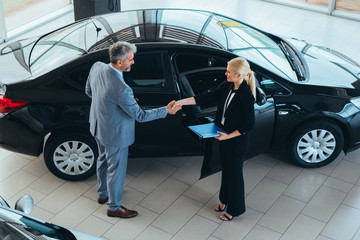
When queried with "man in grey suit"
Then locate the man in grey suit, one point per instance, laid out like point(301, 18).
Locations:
point(112, 122)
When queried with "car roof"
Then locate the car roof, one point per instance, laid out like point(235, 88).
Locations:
point(169, 26)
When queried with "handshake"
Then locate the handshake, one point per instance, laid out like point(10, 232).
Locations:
point(173, 107)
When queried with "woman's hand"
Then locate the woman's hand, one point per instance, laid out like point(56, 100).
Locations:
point(223, 136)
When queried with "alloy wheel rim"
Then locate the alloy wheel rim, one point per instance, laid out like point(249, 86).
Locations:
point(73, 158)
point(316, 146)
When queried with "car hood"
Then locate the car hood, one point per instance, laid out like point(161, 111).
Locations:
point(328, 67)
point(81, 235)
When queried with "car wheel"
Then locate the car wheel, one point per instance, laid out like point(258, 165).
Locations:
point(71, 155)
point(316, 144)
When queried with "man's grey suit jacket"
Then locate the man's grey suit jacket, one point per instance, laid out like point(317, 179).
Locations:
point(113, 107)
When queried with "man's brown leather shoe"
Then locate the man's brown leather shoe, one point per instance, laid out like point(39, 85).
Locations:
point(122, 212)
point(103, 200)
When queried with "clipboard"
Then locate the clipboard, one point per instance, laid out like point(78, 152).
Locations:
point(207, 130)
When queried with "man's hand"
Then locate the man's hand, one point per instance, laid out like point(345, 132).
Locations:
point(171, 108)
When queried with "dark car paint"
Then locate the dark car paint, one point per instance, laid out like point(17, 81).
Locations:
point(51, 110)
point(60, 114)
point(68, 110)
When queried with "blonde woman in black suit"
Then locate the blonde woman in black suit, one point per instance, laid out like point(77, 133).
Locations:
point(235, 114)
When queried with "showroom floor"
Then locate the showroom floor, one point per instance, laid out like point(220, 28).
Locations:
point(283, 201)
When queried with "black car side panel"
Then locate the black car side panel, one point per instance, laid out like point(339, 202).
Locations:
point(20, 132)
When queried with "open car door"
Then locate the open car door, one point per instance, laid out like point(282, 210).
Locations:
point(209, 75)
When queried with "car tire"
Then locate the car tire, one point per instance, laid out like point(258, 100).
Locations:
point(316, 144)
point(71, 155)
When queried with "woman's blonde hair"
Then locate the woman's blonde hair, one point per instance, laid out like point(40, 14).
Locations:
point(240, 65)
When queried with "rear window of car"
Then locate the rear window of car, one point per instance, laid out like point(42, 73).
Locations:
point(147, 72)
point(189, 62)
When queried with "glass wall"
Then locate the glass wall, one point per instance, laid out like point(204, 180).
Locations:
point(317, 2)
point(348, 5)
point(19, 12)
point(352, 6)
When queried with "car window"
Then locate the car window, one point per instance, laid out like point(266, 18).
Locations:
point(78, 76)
point(147, 72)
point(271, 87)
point(202, 81)
point(190, 62)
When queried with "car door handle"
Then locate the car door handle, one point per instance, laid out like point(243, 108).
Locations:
point(283, 112)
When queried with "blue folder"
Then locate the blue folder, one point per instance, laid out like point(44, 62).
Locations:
point(207, 130)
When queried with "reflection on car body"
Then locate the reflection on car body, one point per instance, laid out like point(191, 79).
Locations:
point(308, 97)
point(18, 224)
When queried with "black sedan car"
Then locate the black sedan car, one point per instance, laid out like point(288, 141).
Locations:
point(308, 97)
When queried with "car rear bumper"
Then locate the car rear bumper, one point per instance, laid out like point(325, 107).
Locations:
point(20, 133)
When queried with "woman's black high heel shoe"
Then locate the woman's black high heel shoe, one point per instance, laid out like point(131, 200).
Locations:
point(219, 209)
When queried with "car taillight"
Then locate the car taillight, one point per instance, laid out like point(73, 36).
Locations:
point(8, 105)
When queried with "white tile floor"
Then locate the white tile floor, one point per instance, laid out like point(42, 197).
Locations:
point(283, 200)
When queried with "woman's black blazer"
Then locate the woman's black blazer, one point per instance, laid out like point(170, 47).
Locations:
point(239, 115)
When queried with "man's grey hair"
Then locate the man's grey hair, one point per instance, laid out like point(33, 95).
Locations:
point(119, 51)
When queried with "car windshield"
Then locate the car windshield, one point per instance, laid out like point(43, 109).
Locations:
point(16, 226)
point(190, 26)
point(251, 44)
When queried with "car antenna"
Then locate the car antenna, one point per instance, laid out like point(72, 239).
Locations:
point(97, 28)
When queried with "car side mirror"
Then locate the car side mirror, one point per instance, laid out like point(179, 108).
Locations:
point(260, 96)
point(25, 204)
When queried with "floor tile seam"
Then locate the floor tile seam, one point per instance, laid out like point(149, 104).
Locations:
point(346, 158)
point(139, 204)
point(74, 200)
point(259, 224)
point(332, 215)
point(263, 214)
point(305, 169)
point(313, 195)
point(45, 195)
point(27, 185)
point(340, 190)
point(204, 203)
point(54, 214)
point(321, 233)
point(156, 228)
point(143, 170)
point(188, 158)
point(292, 222)
point(161, 182)
point(196, 213)
point(275, 180)
point(181, 180)
point(159, 214)
point(353, 183)
point(92, 215)
point(88, 215)
point(325, 222)
point(171, 176)
point(353, 238)
point(168, 176)
point(52, 191)
point(289, 184)
point(271, 205)
point(347, 205)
